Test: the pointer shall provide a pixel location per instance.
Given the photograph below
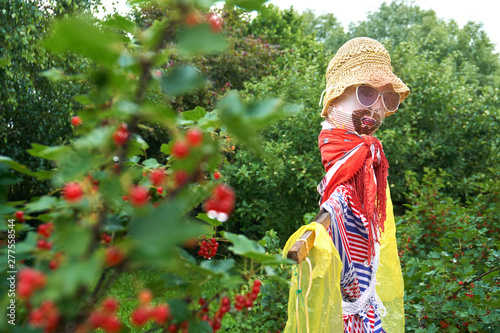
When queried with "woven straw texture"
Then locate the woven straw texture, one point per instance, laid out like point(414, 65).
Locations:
point(361, 60)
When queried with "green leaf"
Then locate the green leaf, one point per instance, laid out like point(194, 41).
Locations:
point(70, 276)
point(199, 326)
point(242, 245)
point(200, 39)
point(76, 164)
point(218, 266)
point(24, 170)
point(251, 249)
point(151, 163)
point(166, 148)
point(244, 121)
point(119, 22)
point(158, 113)
point(204, 217)
point(79, 35)
point(210, 121)
point(182, 80)
point(72, 240)
point(28, 244)
point(195, 114)
point(44, 203)
point(157, 234)
point(55, 153)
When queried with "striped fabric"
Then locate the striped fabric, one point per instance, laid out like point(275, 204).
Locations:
point(348, 229)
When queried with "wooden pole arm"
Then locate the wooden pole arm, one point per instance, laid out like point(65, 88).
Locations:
point(298, 251)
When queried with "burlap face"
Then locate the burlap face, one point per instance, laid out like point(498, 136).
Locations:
point(346, 112)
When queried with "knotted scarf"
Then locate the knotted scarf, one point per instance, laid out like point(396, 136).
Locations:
point(358, 161)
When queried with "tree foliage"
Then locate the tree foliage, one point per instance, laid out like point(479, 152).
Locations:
point(33, 108)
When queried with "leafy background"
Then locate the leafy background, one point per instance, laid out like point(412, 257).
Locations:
point(442, 145)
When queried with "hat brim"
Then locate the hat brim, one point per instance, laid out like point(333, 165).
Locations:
point(375, 76)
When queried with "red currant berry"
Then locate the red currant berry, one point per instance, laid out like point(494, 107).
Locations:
point(121, 135)
point(19, 214)
point(114, 256)
point(111, 324)
point(180, 149)
point(96, 319)
point(194, 137)
point(255, 289)
point(53, 264)
point(160, 314)
point(72, 192)
point(139, 196)
point(110, 305)
point(172, 328)
point(140, 316)
point(159, 190)
point(145, 296)
point(217, 175)
point(76, 121)
point(157, 177)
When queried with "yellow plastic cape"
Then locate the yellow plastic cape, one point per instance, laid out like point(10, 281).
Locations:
point(324, 301)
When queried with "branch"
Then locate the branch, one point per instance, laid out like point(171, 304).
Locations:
point(472, 281)
point(99, 284)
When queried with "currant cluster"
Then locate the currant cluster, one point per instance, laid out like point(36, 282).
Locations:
point(181, 148)
point(216, 321)
point(56, 261)
point(121, 135)
point(146, 312)
point(105, 317)
point(45, 317)
point(44, 230)
point(29, 281)
point(221, 203)
point(208, 249)
point(194, 18)
point(246, 301)
point(105, 238)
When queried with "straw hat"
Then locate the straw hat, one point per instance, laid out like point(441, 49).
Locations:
point(361, 60)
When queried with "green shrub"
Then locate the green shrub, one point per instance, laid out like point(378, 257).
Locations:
point(450, 254)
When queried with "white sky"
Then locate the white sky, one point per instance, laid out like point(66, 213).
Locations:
point(347, 11)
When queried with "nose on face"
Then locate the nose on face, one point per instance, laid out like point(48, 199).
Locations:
point(378, 108)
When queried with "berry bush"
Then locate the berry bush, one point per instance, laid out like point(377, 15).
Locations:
point(113, 210)
point(450, 257)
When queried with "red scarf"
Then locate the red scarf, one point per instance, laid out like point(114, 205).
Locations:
point(364, 167)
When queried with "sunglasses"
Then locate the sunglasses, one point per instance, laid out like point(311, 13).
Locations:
point(368, 96)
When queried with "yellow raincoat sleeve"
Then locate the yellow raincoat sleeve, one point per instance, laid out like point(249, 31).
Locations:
point(324, 299)
point(390, 284)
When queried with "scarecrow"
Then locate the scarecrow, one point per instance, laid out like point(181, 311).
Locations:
point(352, 281)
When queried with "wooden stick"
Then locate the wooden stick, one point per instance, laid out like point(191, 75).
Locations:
point(298, 251)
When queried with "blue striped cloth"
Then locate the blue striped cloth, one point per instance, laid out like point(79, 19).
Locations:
point(348, 229)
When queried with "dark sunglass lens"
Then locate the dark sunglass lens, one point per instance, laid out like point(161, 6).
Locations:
point(391, 100)
point(367, 95)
